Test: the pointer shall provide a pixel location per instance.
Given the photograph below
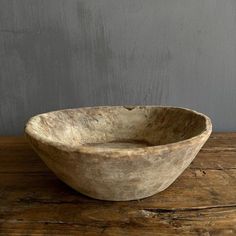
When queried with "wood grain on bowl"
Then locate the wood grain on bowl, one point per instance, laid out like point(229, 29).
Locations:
point(118, 153)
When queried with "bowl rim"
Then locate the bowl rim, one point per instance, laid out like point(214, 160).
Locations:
point(30, 134)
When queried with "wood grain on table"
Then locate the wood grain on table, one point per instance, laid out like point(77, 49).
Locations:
point(202, 201)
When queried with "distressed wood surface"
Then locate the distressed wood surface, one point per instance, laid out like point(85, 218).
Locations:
point(201, 202)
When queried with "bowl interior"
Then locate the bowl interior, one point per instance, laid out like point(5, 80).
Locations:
point(118, 127)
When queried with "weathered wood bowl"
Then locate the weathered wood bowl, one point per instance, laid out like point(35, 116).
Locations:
point(118, 153)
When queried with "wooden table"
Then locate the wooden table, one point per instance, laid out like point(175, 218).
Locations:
point(201, 202)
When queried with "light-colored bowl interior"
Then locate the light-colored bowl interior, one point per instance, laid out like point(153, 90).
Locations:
point(118, 126)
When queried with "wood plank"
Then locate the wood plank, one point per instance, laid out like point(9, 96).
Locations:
point(193, 188)
point(184, 221)
point(218, 221)
point(202, 201)
point(221, 141)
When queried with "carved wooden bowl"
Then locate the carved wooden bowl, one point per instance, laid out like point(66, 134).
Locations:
point(118, 153)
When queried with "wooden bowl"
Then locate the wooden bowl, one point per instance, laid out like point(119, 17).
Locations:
point(118, 153)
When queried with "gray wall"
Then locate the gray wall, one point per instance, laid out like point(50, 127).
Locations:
point(58, 54)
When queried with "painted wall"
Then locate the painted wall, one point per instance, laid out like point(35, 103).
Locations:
point(58, 54)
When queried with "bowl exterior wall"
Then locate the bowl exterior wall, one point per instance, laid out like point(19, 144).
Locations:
point(123, 177)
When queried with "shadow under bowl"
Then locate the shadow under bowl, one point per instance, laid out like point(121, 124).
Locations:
point(118, 153)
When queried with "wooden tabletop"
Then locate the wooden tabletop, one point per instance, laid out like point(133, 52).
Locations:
point(202, 201)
